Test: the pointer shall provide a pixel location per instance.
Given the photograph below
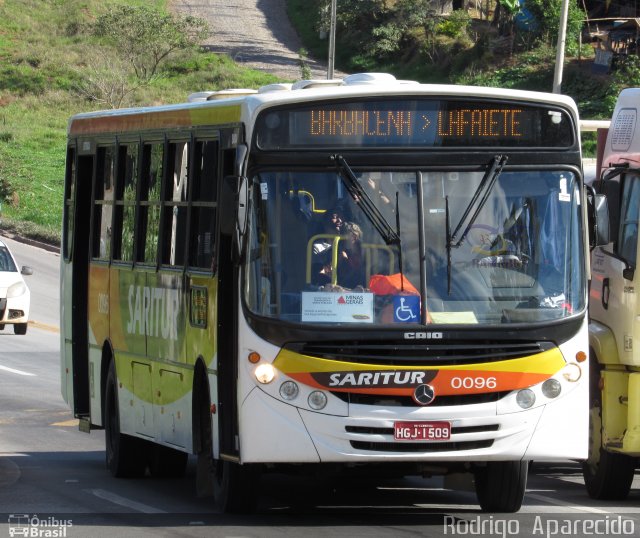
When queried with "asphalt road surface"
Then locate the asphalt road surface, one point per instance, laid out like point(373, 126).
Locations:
point(53, 477)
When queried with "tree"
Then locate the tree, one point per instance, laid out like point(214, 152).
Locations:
point(144, 37)
point(106, 80)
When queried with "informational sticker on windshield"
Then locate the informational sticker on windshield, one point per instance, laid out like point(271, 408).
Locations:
point(323, 307)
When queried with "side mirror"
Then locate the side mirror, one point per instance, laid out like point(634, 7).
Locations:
point(26, 270)
point(598, 218)
point(233, 208)
point(228, 204)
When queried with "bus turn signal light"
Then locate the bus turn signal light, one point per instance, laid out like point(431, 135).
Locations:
point(254, 357)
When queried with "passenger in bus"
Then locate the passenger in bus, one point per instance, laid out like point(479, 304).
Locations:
point(351, 266)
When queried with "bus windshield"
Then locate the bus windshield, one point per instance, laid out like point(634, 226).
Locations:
point(472, 250)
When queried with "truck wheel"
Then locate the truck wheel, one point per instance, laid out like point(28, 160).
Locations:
point(607, 475)
point(20, 328)
point(500, 486)
point(125, 455)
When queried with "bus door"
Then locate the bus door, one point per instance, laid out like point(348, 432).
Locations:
point(202, 272)
point(76, 262)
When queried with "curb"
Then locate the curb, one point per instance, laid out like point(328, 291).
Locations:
point(33, 242)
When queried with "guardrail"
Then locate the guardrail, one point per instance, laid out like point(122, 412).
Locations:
point(594, 125)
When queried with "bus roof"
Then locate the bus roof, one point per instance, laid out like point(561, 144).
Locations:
point(232, 106)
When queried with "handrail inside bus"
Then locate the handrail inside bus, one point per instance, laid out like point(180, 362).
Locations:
point(311, 199)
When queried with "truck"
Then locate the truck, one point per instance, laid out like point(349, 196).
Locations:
point(614, 311)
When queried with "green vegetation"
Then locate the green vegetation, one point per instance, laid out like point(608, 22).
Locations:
point(61, 57)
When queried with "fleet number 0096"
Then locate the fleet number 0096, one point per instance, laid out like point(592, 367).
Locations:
point(474, 382)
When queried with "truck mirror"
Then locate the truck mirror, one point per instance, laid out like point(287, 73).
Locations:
point(598, 218)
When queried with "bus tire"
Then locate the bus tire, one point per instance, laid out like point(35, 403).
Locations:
point(235, 487)
point(125, 455)
point(20, 328)
point(500, 485)
point(166, 462)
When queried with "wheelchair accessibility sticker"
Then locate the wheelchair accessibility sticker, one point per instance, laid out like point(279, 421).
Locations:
point(406, 308)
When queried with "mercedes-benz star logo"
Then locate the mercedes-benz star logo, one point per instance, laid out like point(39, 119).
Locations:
point(424, 394)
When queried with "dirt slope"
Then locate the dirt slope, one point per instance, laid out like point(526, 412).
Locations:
point(256, 33)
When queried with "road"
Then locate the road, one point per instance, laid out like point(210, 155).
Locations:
point(255, 33)
point(50, 473)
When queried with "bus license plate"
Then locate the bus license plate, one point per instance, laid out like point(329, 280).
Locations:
point(422, 431)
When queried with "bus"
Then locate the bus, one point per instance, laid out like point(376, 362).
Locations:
point(205, 303)
point(613, 308)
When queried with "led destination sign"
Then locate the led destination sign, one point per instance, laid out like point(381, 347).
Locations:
point(414, 123)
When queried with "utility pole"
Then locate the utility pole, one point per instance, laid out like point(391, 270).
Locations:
point(562, 37)
point(332, 40)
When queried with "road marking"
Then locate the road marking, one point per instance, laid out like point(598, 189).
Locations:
point(123, 501)
point(14, 371)
point(44, 326)
point(71, 423)
point(550, 500)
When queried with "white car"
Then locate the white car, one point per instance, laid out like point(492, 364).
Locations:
point(15, 296)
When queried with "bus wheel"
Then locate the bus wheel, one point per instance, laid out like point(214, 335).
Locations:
point(500, 486)
point(125, 454)
point(20, 328)
point(607, 475)
point(235, 487)
point(165, 462)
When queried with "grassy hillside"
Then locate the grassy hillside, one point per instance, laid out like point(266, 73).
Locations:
point(45, 51)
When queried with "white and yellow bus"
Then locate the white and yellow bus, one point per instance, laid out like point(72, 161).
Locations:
point(200, 315)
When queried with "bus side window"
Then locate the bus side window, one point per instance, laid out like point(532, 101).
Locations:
point(103, 205)
point(203, 204)
point(149, 222)
point(174, 217)
point(127, 181)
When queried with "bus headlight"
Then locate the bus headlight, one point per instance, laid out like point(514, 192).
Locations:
point(525, 398)
point(551, 388)
point(265, 373)
point(289, 390)
point(317, 400)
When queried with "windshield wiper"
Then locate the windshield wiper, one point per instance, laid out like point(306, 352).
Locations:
point(362, 199)
point(486, 185)
point(484, 189)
